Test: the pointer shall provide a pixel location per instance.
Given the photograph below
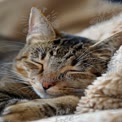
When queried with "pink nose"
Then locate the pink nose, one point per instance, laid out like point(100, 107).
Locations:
point(47, 85)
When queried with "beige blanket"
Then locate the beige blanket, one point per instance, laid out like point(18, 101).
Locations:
point(70, 16)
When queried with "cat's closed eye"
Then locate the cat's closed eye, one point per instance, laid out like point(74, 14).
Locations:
point(34, 67)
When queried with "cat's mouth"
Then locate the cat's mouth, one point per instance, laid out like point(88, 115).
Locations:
point(44, 94)
point(59, 89)
point(57, 92)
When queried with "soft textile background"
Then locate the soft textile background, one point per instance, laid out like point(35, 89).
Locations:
point(67, 15)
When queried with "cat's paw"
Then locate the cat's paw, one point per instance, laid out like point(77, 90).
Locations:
point(23, 111)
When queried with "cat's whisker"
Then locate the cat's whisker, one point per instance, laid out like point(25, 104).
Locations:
point(24, 22)
point(24, 87)
point(8, 63)
point(6, 43)
point(12, 49)
point(87, 53)
point(24, 18)
point(5, 65)
point(84, 54)
point(21, 33)
point(90, 52)
point(92, 66)
point(11, 43)
point(11, 73)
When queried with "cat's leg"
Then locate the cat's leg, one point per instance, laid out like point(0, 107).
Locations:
point(6, 100)
point(40, 108)
point(12, 92)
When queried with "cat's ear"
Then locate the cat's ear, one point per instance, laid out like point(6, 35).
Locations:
point(40, 29)
point(114, 41)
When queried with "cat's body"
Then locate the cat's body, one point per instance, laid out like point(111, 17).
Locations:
point(58, 67)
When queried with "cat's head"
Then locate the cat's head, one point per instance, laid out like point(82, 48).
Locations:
point(57, 64)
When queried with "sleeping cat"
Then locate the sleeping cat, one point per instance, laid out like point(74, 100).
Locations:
point(50, 73)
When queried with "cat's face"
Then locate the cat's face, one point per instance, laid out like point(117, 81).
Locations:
point(57, 65)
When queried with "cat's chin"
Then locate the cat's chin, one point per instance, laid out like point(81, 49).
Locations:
point(57, 92)
point(44, 94)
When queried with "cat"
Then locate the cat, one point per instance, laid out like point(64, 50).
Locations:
point(51, 72)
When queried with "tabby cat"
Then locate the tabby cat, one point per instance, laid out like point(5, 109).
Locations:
point(50, 73)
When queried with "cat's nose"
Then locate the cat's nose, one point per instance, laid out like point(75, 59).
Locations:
point(47, 85)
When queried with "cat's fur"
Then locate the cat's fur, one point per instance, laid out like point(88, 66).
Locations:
point(57, 66)
point(103, 99)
